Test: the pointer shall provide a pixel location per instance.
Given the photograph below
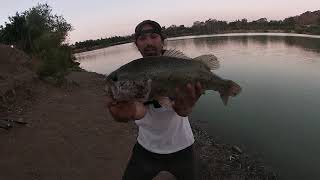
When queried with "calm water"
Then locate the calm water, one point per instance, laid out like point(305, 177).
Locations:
point(276, 116)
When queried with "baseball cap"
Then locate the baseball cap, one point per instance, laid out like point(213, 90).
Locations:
point(156, 28)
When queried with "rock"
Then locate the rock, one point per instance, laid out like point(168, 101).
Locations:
point(237, 149)
point(5, 124)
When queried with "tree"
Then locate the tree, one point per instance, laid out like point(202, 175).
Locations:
point(289, 23)
point(28, 28)
point(15, 32)
point(39, 32)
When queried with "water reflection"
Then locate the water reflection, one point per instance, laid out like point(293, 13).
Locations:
point(108, 59)
point(112, 57)
point(309, 44)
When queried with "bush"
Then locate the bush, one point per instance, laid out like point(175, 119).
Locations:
point(56, 62)
point(314, 29)
point(40, 33)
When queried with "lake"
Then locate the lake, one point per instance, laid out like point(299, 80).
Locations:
point(276, 117)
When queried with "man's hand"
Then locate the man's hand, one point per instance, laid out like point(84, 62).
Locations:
point(186, 97)
point(125, 111)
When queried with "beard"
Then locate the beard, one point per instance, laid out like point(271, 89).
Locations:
point(150, 51)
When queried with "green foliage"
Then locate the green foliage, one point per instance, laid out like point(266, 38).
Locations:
point(15, 32)
point(55, 61)
point(313, 29)
point(103, 42)
point(38, 32)
point(210, 26)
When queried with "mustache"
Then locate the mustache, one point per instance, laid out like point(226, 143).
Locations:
point(150, 47)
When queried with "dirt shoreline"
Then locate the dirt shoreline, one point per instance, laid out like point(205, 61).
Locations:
point(70, 135)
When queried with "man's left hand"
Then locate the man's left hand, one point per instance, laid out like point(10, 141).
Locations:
point(186, 97)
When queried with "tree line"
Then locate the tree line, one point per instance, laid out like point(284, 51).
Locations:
point(213, 26)
point(102, 42)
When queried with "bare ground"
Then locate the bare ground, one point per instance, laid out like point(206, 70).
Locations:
point(69, 135)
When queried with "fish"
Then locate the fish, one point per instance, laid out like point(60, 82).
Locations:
point(155, 77)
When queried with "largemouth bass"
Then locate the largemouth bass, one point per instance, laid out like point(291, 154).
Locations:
point(149, 78)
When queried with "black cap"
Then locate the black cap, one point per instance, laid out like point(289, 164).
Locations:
point(156, 28)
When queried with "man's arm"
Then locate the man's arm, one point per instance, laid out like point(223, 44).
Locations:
point(126, 111)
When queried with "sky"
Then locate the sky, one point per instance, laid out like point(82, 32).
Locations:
point(97, 19)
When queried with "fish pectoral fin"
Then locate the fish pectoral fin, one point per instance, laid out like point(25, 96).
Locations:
point(224, 99)
point(210, 60)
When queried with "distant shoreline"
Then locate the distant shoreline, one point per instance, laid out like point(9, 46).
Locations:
point(75, 51)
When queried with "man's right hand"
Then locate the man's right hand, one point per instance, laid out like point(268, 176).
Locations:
point(125, 111)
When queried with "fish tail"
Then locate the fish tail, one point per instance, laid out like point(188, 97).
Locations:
point(224, 99)
point(221, 86)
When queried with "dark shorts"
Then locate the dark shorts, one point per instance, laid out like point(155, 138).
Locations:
point(144, 165)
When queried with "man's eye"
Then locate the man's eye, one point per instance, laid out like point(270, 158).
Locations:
point(154, 35)
point(141, 38)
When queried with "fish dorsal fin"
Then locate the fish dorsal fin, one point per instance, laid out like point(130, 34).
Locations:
point(175, 53)
point(210, 60)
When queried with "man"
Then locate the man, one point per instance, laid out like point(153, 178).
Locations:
point(165, 139)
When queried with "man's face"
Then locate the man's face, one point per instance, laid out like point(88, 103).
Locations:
point(149, 44)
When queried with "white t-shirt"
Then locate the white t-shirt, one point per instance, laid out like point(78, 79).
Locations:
point(163, 131)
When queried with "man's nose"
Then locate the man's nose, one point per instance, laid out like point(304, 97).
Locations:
point(149, 41)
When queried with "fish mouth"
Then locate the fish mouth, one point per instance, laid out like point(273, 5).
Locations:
point(111, 89)
point(129, 90)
